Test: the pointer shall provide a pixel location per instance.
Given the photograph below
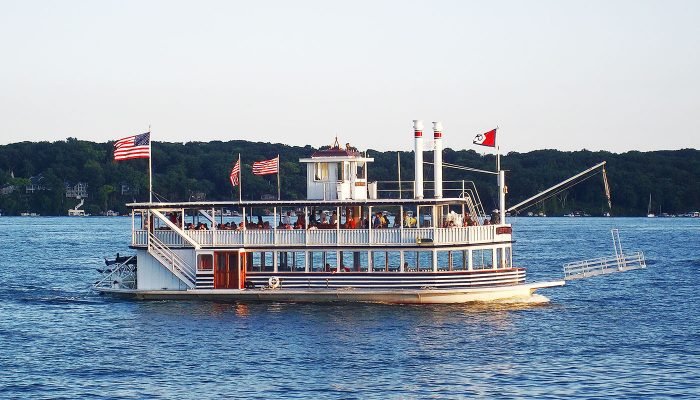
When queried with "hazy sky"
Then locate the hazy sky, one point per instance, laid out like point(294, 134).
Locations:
point(612, 75)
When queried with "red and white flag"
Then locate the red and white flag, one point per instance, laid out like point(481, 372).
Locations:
point(486, 139)
point(137, 146)
point(266, 167)
point(235, 174)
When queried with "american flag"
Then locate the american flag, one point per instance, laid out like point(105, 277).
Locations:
point(266, 167)
point(138, 146)
point(235, 173)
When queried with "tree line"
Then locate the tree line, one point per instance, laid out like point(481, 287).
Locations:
point(200, 171)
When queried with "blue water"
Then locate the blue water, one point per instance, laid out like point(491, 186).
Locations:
point(628, 335)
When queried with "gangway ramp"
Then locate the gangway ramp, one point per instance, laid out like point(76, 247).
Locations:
point(620, 262)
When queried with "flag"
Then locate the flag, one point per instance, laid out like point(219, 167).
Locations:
point(138, 146)
point(266, 167)
point(486, 139)
point(235, 179)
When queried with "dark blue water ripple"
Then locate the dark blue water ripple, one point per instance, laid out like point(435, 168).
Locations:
point(632, 335)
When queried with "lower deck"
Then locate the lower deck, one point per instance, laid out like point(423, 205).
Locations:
point(514, 293)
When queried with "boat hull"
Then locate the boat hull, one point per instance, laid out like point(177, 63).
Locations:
point(402, 296)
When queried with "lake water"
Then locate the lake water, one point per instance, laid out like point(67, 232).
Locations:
point(626, 335)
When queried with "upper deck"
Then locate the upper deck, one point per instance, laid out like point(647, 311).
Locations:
point(424, 223)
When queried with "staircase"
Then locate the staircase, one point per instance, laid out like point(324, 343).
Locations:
point(174, 263)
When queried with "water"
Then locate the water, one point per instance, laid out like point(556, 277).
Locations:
point(627, 335)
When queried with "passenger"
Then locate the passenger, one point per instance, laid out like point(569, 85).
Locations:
point(495, 218)
point(266, 225)
point(377, 221)
point(384, 221)
point(260, 222)
point(334, 218)
point(486, 221)
point(351, 222)
point(287, 218)
point(328, 267)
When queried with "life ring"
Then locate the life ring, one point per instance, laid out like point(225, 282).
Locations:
point(273, 282)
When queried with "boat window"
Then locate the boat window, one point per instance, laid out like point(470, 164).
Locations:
point(425, 261)
point(508, 258)
point(321, 171)
point(205, 262)
point(260, 261)
point(386, 261)
point(410, 259)
point(340, 171)
point(323, 261)
point(290, 261)
point(361, 170)
point(354, 261)
point(499, 258)
point(452, 260)
point(482, 258)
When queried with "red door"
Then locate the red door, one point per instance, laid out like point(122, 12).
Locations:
point(226, 270)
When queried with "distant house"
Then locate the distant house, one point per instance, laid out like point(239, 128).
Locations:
point(267, 197)
point(198, 196)
point(36, 184)
point(77, 191)
point(126, 190)
point(7, 189)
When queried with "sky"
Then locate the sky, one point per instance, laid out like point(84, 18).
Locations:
point(599, 75)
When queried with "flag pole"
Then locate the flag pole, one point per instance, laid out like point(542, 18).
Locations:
point(502, 189)
point(498, 151)
point(279, 196)
point(240, 181)
point(398, 168)
point(150, 166)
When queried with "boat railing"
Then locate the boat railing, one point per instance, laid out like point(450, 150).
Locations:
point(326, 237)
point(604, 265)
point(322, 237)
point(290, 237)
point(234, 238)
point(353, 236)
point(203, 237)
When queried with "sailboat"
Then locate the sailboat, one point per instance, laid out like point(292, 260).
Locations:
point(649, 213)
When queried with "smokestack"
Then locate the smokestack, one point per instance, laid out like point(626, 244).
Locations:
point(418, 135)
point(437, 160)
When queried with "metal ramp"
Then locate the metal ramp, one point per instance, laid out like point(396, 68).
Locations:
point(605, 265)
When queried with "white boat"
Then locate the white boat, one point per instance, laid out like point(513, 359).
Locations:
point(649, 213)
point(354, 258)
point(77, 211)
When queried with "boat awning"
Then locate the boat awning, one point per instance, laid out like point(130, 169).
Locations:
point(298, 203)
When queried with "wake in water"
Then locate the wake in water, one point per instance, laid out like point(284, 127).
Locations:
point(534, 299)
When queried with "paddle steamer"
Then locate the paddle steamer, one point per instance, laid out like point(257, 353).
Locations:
point(344, 242)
